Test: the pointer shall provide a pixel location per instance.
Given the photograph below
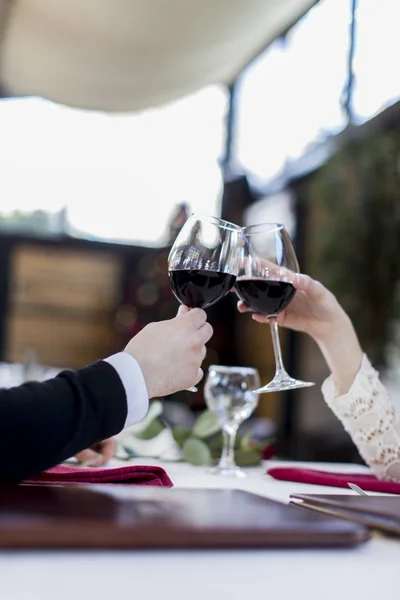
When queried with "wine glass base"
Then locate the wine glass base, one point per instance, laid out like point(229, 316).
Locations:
point(227, 471)
point(279, 384)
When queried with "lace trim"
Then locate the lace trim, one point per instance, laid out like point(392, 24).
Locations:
point(371, 419)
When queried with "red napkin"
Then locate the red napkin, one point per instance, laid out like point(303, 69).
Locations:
point(366, 482)
point(139, 475)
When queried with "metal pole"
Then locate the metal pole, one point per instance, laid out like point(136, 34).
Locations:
point(347, 102)
point(230, 129)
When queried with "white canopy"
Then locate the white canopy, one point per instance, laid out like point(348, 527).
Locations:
point(126, 55)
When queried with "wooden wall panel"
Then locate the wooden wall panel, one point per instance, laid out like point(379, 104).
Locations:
point(61, 304)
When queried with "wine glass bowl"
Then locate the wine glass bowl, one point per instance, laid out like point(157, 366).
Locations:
point(229, 394)
point(268, 266)
point(263, 296)
point(204, 261)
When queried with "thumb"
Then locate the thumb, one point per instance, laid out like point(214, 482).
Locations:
point(182, 310)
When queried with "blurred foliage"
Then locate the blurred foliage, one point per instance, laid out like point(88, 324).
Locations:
point(202, 444)
point(354, 235)
point(37, 221)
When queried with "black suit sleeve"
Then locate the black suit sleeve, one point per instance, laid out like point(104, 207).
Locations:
point(42, 424)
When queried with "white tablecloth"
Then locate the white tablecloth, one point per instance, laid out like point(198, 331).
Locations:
point(368, 572)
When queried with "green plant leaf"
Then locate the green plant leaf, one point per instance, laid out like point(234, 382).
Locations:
point(215, 444)
point(155, 411)
point(206, 425)
point(129, 454)
point(263, 445)
point(247, 458)
point(245, 441)
point(257, 447)
point(180, 434)
point(151, 431)
point(196, 452)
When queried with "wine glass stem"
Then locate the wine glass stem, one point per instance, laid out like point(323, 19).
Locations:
point(227, 460)
point(279, 368)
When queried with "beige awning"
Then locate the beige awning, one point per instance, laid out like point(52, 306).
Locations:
point(125, 55)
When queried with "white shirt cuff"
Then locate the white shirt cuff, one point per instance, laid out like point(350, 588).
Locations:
point(132, 378)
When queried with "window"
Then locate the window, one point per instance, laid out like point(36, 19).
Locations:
point(377, 48)
point(276, 208)
point(290, 97)
point(118, 176)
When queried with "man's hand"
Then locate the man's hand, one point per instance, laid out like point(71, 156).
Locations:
point(170, 353)
point(98, 454)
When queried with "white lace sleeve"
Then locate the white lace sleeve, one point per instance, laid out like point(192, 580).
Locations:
point(370, 417)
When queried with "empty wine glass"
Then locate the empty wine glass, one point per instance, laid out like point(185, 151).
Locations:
point(229, 393)
point(204, 261)
point(265, 284)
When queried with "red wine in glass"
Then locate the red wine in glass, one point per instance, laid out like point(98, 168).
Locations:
point(200, 287)
point(265, 296)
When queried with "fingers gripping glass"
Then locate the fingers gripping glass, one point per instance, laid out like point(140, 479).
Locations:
point(268, 265)
point(204, 260)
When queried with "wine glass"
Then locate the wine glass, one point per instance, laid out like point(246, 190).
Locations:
point(229, 393)
point(204, 260)
point(265, 283)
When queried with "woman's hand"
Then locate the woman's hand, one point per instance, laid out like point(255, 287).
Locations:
point(98, 454)
point(316, 311)
point(313, 310)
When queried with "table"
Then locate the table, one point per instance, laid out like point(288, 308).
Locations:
point(367, 572)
